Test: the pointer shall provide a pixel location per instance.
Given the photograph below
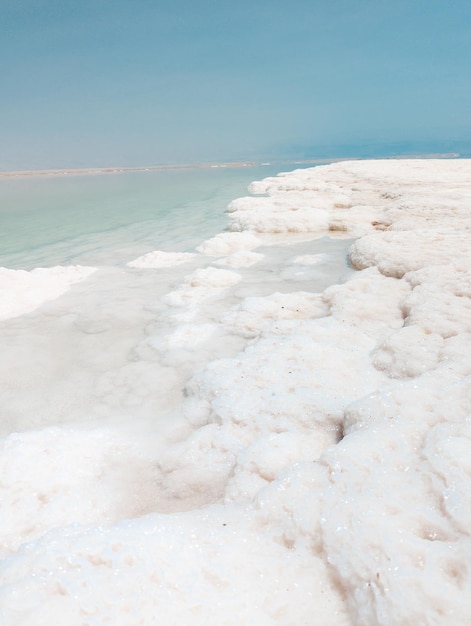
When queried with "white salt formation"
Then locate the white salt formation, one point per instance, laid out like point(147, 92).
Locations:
point(229, 243)
point(158, 259)
point(22, 292)
point(316, 470)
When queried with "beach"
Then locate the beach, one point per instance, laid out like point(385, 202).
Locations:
point(269, 426)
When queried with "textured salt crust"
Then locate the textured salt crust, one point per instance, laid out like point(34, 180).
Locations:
point(22, 292)
point(259, 313)
point(309, 259)
point(201, 285)
point(241, 259)
point(47, 496)
point(398, 252)
point(325, 469)
point(158, 259)
point(229, 243)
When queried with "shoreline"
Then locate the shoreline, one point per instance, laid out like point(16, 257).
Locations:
point(216, 434)
point(96, 171)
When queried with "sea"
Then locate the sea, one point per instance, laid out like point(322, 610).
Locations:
point(108, 219)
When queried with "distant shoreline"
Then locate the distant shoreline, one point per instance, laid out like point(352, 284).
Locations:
point(91, 171)
point(94, 171)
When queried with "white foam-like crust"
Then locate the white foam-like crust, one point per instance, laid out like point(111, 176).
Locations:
point(201, 285)
point(356, 197)
point(323, 476)
point(158, 259)
point(309, 259)
point(260, 313)
point(226, 244)
point(55, 454)
point(242, 258)
point(22, 292)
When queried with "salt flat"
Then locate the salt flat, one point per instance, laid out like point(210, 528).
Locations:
point(242, 443)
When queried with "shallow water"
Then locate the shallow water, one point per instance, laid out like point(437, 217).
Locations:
point(87, 355)
point(98, 353)
point(113, 218)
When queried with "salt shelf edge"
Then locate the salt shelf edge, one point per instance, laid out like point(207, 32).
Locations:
point(24, 291)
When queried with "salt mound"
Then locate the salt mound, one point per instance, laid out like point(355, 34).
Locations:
point(200, 285)
point(158, 259)
point(228, 243)
point(398, 252)
point(22, 292)
point(243, 258)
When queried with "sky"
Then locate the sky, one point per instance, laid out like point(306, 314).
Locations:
point(96, 83)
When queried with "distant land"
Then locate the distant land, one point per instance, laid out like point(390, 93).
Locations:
point(152, 168)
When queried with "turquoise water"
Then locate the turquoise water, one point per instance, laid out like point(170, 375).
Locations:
point(108, 349)
point(112, 218)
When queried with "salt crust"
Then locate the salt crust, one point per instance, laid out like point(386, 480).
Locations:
point(201, 285)
point(22, 292)
point(228, 243)
point(241, 258)
point(158, 259)
point(330, 458)
point(234, 247)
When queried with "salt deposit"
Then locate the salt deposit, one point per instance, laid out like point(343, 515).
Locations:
point(241, 258)
point(157, 259)
point(228, 243)
point(22, 292)
point(312, 465)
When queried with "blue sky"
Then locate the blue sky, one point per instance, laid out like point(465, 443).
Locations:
point(101, 82)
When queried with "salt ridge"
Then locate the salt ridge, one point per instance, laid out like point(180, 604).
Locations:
point(324, 469)
point(22, 292)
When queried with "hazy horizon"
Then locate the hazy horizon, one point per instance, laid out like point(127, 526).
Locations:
point(301, 156)
point(104, 83)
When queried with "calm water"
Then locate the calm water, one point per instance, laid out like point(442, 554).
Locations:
point(103, 350)
point(111, 219)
